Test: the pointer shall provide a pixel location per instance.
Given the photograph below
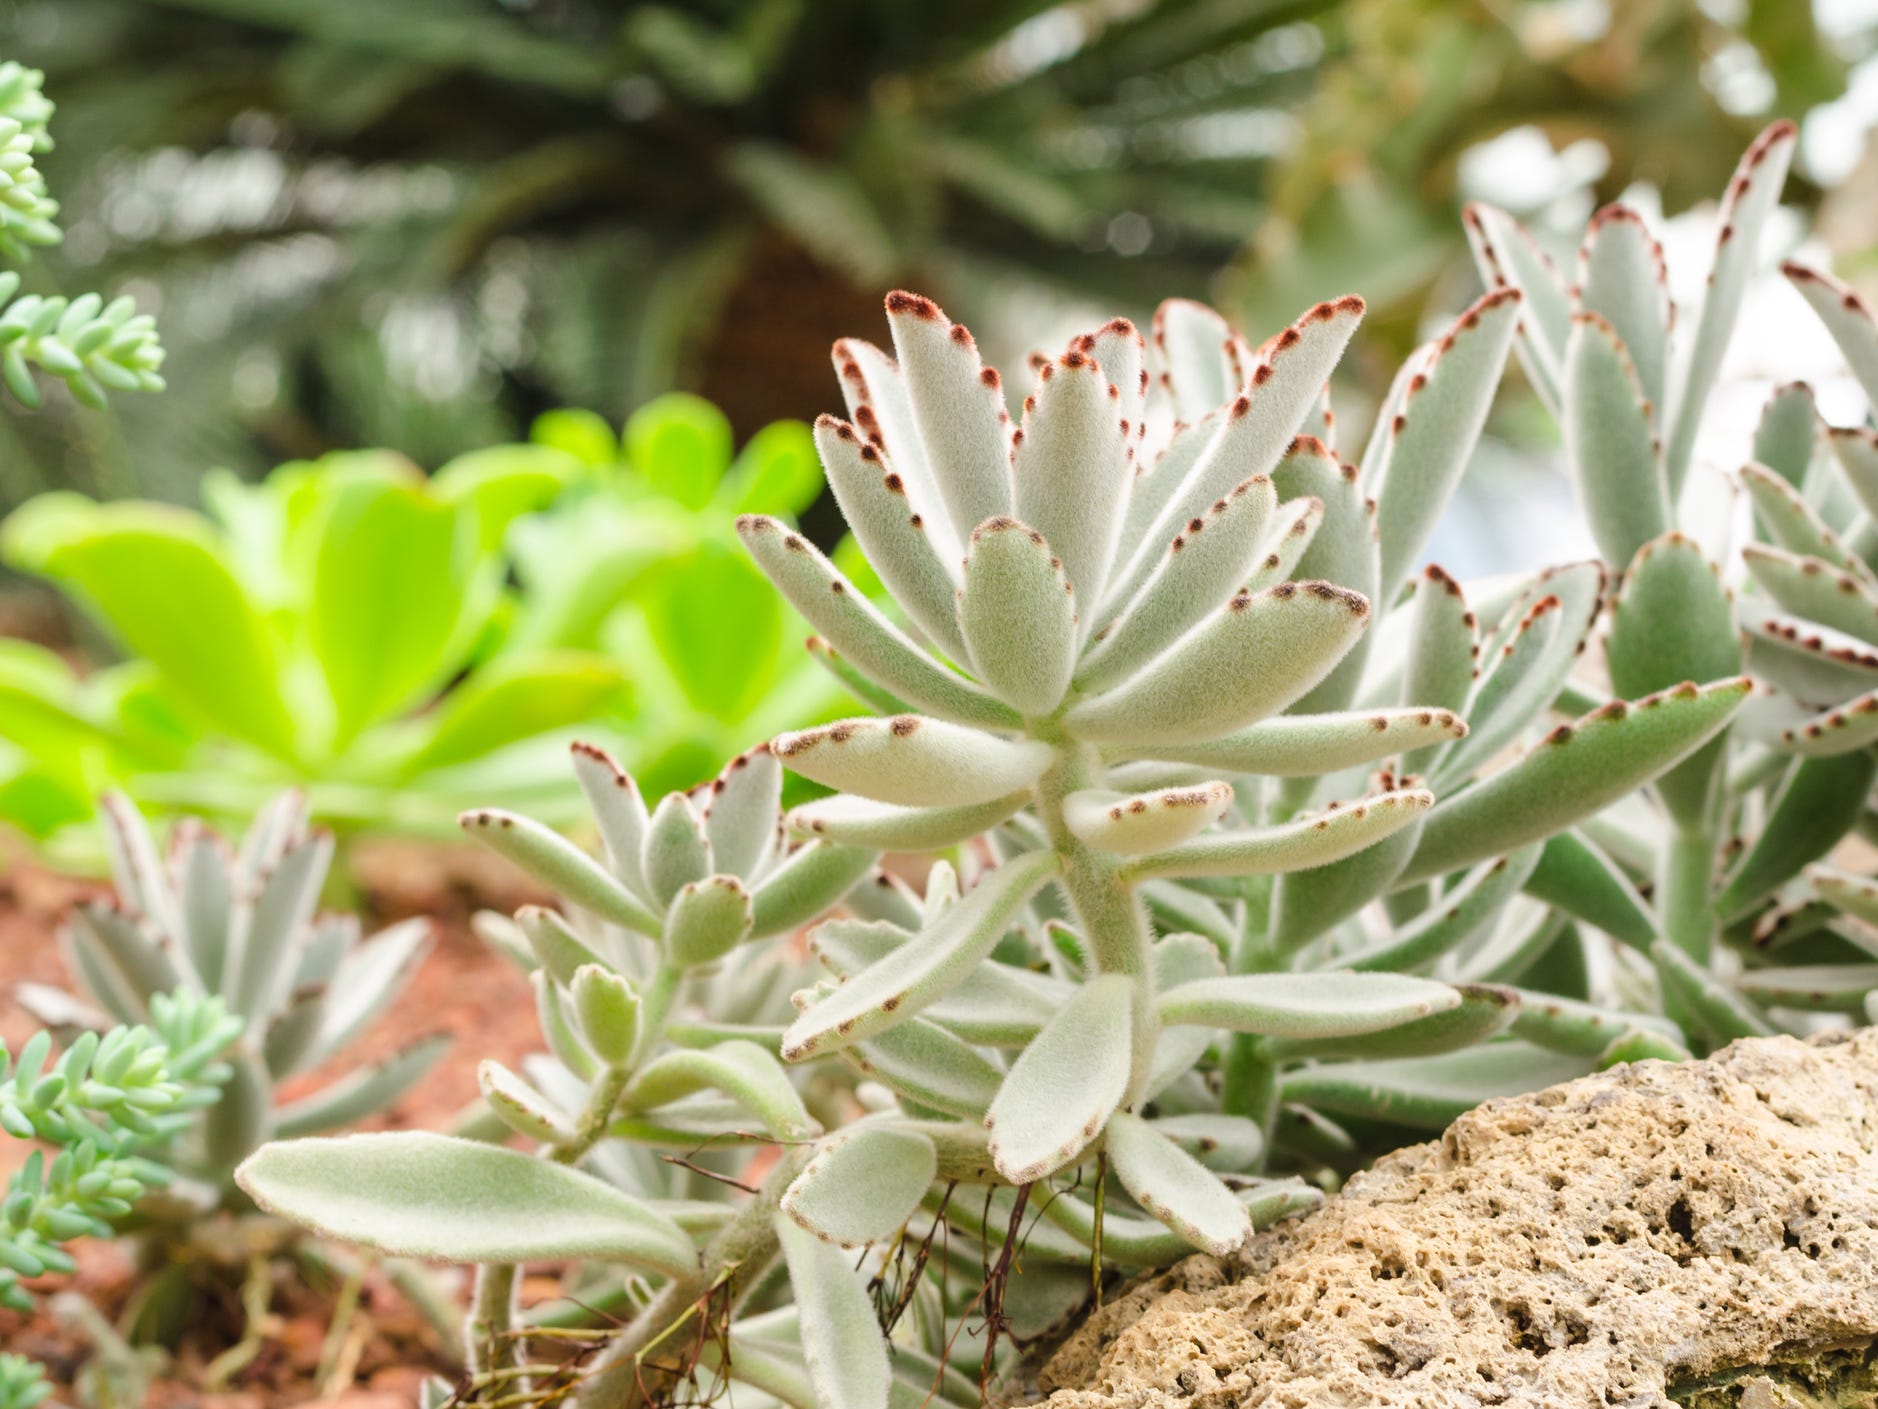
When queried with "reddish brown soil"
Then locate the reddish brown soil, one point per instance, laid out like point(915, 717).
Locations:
point(461, 988)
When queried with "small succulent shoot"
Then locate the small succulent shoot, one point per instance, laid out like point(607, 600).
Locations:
point(94, 347)
point(240, 924)
point(108, 1109)
point(663, 923)
point(1738, 934)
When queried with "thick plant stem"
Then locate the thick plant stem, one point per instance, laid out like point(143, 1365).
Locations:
point(491, 1342)
point(1688, 914)
point(1249, 1083)
point(1107, 904)
point(740, 1253)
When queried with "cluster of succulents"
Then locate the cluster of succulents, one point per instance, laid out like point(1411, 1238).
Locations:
point(1252, 847)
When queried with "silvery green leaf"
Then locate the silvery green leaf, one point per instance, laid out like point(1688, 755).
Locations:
point(1211, 556)
point(1315, 839)
point(862, 1185)
point(1457, 916)
point(1176, 1188)
point(889, 519)
point(913, 761)
point(1155, 485)
point(997, 1006)
point(1307, 745)
point(746, 1073)
point(1293, 531)
point(1253, 430)
point(1817, 803)
point(1855, 450)
point(1814, 589)
point(1318, 1005)
point(1819, 988)
point(1509, 257)
point(1485, 1011)
point(859, 821)
point(1673, 620)
point(366, 982)
point(1523, 678)
point(846, 1354)
point(134, 954)
point(1185, 958)
point(1443, 655)
point(204, 887)
point(1718, 1013)
point(609, 1013)
point(1343, 550)
point(1622, 279)
point(1433, 429)
point(279, 823)
point(414, 1194)
point(103, 980)
point(740, 814)
point(1788, 432)
point(708, 919)
point(811, 879)
point(520, 1107)
point(1065, 1085)
point(902, 984)
point(1815, 664)
point(1018, 615)
point(1230, 1144)
point(289, 1039)
point(618, 810)
point(1575, 877)
point(1851, 726)
point(1072, 466)
point(1579, 1029)
point(136, 869)
point(1200, 365)
point(882, 409)
point(261, 950)
point(677, 850)
point(1250, 660)
point(1792, 524)
point(1121, 353)
point(1753, 194)
point(1846, 317)
point(1854, 894)
point(866, 640)
point(1429, 1092)
point(856, 684)
point(553, 942)
point(958, 407)
point(561, 866)
point(1306, 904)
point(1576, 770)
point(1611, 442)
point(927, 1063)
point(1175, 907)
point(942, 892)
point(1147, 822)
point(885, 897)
point(361, 1092)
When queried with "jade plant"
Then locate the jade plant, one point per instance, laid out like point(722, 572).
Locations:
point(108, 1109)
point(1701, 885)
point(1208, 854)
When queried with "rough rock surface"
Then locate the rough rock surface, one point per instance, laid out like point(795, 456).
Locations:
point(1610, 1241)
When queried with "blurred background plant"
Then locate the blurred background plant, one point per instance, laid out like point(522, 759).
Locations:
point(397, 644)
point(418, 226)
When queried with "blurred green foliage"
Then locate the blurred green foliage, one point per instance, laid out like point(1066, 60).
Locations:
point(400, 644)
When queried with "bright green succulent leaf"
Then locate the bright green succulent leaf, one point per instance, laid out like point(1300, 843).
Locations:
point(1788, 432)
point(500, 483)
point(584, 435)
point(1816, 804)
point(1577, 878)
point(718, 626)
point(513, 698)
point(776, 472)
point(680, 445)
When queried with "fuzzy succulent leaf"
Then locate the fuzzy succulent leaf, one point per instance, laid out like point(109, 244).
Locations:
point(743, 1071)
point(1017, 613)
point(914, 762)
point(1622, 279)
point(708, 919)
point(1815, 589)
point(1315, 1005)
point(1147, 822)
point(1816, 804)
point(1787, 435)
point(1308, 745)
point(1315, 839)
point(933, 1065)
point(811, 879)
point(1611, 442)
point(361, 1092)
point(1575, 771)
point(859, 821)
point(1061, 1091)
point(1484, 1011)
point(1343, 550)
point(618, 809)
point(841, 1341)
point(1308, 903)
point(1846, 318)
point(862, 1185)
point(957, 407)
point(415, 1194)
point(1700, 999)
point(1175, 1187)
point(1461, 913)
point(1573, 875)
point(560, 865)
point(1431, 433)
point(740, 813)
point(1071, 465)
point(1794, 524)
point(1429, 1092)
point(1509, 257)
point(948, 951)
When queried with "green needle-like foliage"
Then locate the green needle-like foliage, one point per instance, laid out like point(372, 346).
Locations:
point(109, 1108)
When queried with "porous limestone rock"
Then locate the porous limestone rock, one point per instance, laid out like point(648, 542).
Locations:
point(1700, 1233)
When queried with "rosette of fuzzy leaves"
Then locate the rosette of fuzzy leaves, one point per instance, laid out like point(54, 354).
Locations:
point(659, 1011)
point(240, 924)
point(1732, 940)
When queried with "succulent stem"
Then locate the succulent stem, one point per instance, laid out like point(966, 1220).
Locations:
point(1688, 915)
